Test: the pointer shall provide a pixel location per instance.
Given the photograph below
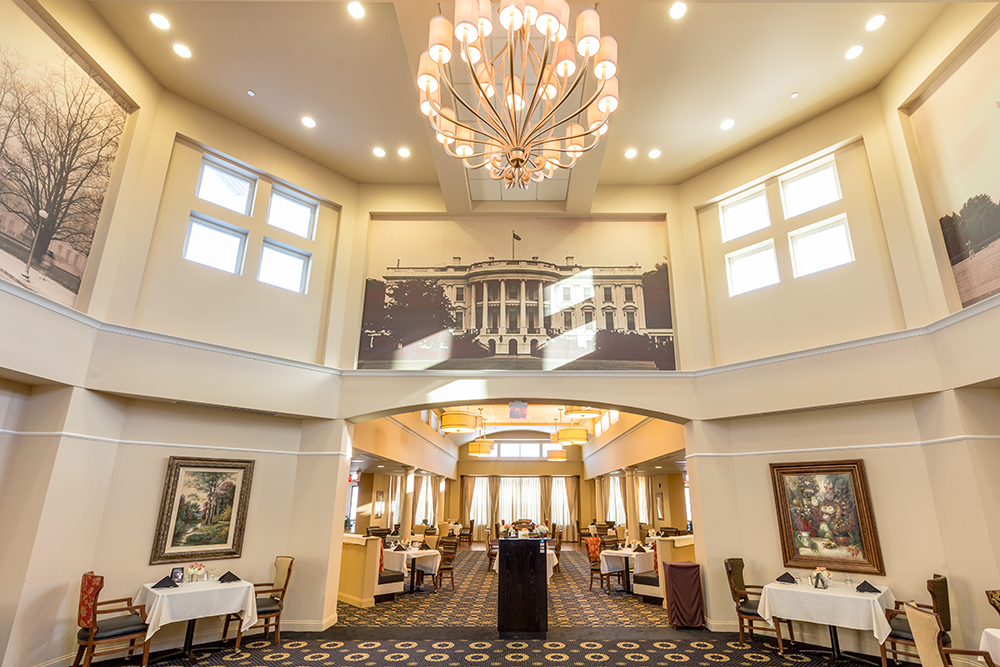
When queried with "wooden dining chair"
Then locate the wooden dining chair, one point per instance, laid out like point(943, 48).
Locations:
point(994, 598)
point(448, 546)
point(491, 552)
point(465, 534)
point(746, 609)
point(96, 632)
point(927, 633)
point(270, 601)
point(900, 634)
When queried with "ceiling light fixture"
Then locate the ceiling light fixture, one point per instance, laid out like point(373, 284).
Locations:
point(580, 412)
point(571, 435)
point(677, 10)
point(162, 23)
point(794, 95)
point(480, 446)
point(182, 51)
point(631, 153)
point(251, 93)
point(727, 124)
point(523, 124)
point(854, 52)
point(655, 153)
point(404, 152)
point(379, 152)
point(459, 422)
point(356, 9)
point(308, 122)
point(556, 455)
point(875, 22)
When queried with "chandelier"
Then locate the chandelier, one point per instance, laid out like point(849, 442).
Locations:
point(524, 127)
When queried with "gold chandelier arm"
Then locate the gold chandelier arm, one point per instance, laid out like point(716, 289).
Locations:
point(438, 108)
point(483, 99)
point(576, 82)
point(539, 85)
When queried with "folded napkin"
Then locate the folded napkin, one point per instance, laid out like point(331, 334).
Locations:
point(639, 550)
point(165, 582)
point(228, 577)
point(399, 547)
point(786, 578)
point(865, 587)
point(424, 547)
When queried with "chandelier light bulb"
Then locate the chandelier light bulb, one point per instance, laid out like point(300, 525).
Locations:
point(430, 103)
point(485, 18)
point(608, 101)
point(485, 80)
point(563, 23)
point(511, 14)
point(547, 22)
point(439, 44)
point(574, 140)
point(596, 121)
point(565, 59)
point(427, 76)
point(474, 53)
point(607, 58)
point(467, 20)
point(531, 12)
point(588, 33)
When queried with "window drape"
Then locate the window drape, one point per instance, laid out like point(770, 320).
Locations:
point(494, 500)
point(572, 485)
point(545, 484)
point(418, 496)
point(616, 501)
point(480, 506)
point(520, 498)
point(642, 498)
point(561, 513)
point(468, 489)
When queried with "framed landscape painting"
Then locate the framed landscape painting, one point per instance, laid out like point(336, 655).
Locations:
point(203, 510)
point(825, 516)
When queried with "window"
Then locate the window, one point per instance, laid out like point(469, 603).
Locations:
point(567, 294)
point(283, 267)
point(607, 295)
point(480, 510)
point(567, 320)
point(588, 319)
point(630, 320)
point(226, 187)
point(616, 502)
point(821, 246)
point(744, 216)
point(291, 214)
point(520, 450)
point(560, 502)
point(460, 294)
point(804, 192)
point(609, 320)
point(588, 292)
point(459, 319)
point(514, 291)
point(509, 450)
point(606, 421)
point(598, 429)
point(752, 268)
point(642, 495)
point(520, 498)
point(613, 414)
point(215, 245)
point(628, 294)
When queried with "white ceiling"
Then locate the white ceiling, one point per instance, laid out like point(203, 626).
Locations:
point(679, 80)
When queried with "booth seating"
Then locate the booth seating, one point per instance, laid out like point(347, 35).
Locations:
point(650, 584)
point(361, 582)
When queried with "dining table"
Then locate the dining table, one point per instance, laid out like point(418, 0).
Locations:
point(551, 560)
point(194, 600)
point(838, 606)
point(425, 560)
point(616, 560)
point(990, 642)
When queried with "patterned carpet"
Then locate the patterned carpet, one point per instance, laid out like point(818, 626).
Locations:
point(473, 603)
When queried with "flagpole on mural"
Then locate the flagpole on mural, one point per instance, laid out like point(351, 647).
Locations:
point(514, 237)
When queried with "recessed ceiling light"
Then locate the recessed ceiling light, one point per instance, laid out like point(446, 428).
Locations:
point(854, 52)
point(251, 93)
point(404, 152)
point(356, 10)
point(727, 124)
point(162, 23)
point(875, 22)
point(308, 122)
point(794, 95)
point(380, 466)
point(378, 152)
point(678, 10)
point(655, 153)
point(631, 153)
point(659, 467)
point(182, 51)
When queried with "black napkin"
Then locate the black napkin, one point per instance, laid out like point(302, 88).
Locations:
point(424, 547)
point(639, 550)
point(786, 578)
point(228, 577)
point(165, 582)
point(399, 547)
point(865, 587)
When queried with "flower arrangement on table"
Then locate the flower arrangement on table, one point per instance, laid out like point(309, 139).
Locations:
point(823, 574)
point(542, 529)
point(196, 571)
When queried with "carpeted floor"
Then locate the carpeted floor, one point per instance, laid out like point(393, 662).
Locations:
point(473, 602)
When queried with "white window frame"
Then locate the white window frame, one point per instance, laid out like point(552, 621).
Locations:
point(305, 201)
point(220, 226)
point(286, 249)
point(763, 246)
point(220, 165)
point(758, 191)
point(828, 162)
point(821, 226)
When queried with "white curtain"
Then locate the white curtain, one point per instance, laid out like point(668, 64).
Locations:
point(395, 514)
point(520, 498)
point(479, 508)
point(561, 513)
point(420, 509)
point(616, 503)
point(642, 493)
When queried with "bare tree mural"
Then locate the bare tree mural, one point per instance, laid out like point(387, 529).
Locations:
point(59, 134)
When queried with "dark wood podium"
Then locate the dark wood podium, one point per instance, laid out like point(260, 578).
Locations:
point(522, 595)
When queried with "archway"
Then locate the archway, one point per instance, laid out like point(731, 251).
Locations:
point(512, 347)
point(534, 346)
point(493, 347)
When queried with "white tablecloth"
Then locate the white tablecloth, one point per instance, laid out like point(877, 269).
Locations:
point(455, 528)
point(197, 600)
point(427, 560)
point(991, 642)
point(614, 561)
point(551, 560)
point(838, 605)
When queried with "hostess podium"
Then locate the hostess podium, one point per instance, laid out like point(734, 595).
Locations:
point(522, 593)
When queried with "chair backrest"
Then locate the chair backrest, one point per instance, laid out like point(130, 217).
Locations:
point(938, 588)
point(282, 573)
point(430, 530)
point(994, 598)
point(620, 533)
point(594, 549)
point(611, 524)
point(444, 528)
point(448, 546)
point(419, 529)
point(609, 542)
point(472, 524)
point(669, 531)
point(926, 629)
point(90, 588)
point(431, 541)
point(734, 572)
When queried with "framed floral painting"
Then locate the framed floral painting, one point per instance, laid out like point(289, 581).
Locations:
point(825, 516)
point(203, 510)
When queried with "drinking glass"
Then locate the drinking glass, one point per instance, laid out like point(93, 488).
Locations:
point(848, 582)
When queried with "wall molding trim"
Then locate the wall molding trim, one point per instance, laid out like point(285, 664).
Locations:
point(844, 448)
point(392, 420)
point(143, 443)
